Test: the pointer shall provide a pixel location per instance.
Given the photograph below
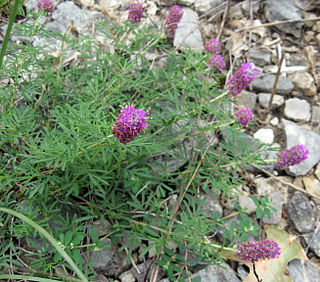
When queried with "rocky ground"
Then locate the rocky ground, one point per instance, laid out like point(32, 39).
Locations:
point(293, 118)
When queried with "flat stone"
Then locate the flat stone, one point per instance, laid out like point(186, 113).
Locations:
point(277, 202)
point(266, 186)
point(312, 185)
point(188, 31)
point(265, 84)
point(297, 135)
point(315, 116)
point(279, 10)
point(304, 82)
point(214, 273)
point(297, 110)
point(203, 6)
point(211, 203)
point(260, 57)
point(247, 99)
point(303, 270)
point(246, 202)
point(264, 99)
point(127, 277)
point(265, 135)
point(300, 212)
point(315, 242)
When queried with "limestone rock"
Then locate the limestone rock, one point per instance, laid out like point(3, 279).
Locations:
point(305, 82)
point(297, 110)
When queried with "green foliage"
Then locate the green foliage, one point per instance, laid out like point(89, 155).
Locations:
point(58, 150)
point(264, 205)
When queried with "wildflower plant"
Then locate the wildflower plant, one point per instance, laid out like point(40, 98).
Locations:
point(173, 19)
point(71, 155)
point(244, 116)
point(292, 156)
point(135, 12)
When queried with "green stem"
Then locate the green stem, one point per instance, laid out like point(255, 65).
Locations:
point(52, 241)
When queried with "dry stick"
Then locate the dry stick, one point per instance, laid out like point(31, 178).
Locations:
point(225, 15)
point(275, 82)
point(286, 183)
point(280, 22)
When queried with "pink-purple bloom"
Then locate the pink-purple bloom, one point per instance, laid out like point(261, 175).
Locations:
point(130, 123)
point(258, 250)
point(217, 62)
point(135, 12)
point(292, 156)
point(173, 19)
point(46, 5)
point(244, 116)
point(213, 46)
point(241, 79)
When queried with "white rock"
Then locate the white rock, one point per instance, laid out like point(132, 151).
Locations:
point(265, 135)
point(297, 109)
point(305, 82)
point(264, 99)
point(274, 121)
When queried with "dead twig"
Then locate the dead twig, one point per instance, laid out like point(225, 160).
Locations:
point(225, 15)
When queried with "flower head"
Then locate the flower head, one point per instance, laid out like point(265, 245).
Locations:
point(173, 19)
point(258, 250)
point(241, 79)
point(244, 116)
point(130, 123)
point(135, 12)
point(217, 62)
point(46, 5)
point(292, 156)
point(213, 46)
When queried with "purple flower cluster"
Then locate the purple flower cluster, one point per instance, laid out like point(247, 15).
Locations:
point(292, 156)
point(46, 5)
point(217, 62)
point(241, 79)
point(173, 19)
point(258, 250)
point(135, 12)
point(130, 123)
point(213, 46)
point(244, 116)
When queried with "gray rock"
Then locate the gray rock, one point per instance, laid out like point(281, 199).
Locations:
point(265, 84)
point(300, 212)
point(304, 82)
point(279, 10)
point(264, 135)
point(297, 110)
point(260, 57)
point(188, 32)
point(211, 203)
point(298, 135)
point(203, 6)
point(186, 2)
point(303, 270)
point(277, 203)
point(315, 117)
point(246, 202)
point(214, 273)
point(247, 99)
point(127, 277)
point(266, 186)
point(264, 99)
point(315, 242)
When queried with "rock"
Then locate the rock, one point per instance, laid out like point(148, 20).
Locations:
point(300, 212)
point(246, 202)
point(315, 241)
point(297, 135)
point(297, 110)
point(304, 82)
point(127, 277)
point(303, 270)
point(315, 116)
point(260, 57)
point(279, 10)
point(266, 186)
point(274, 121)
point(246, 7)
point(186, 2)
point(266, 82)
point(277, 203)
point(317, 171)
point(318, 40)
point(203, 6)
point(246, 99)
point(188, 32)
point(312, 185)
point(211, 203)
point(214, 273)
point(264, 99)
point(265, 135)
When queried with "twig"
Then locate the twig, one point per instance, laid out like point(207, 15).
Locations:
point(225, 15)
point(279, 22)
point(286, 183)
point(276, 82)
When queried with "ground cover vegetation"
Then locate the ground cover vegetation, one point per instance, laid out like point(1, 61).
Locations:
point(107, 136)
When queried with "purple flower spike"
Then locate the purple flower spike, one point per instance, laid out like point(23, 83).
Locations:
point(244, 116)
point(173, 19)
point(130, 123)
point(135, 12)
point(241, 79)
point(46, 5)
point(258, 250)
point(292, 156)
point(217, 62)
point(213, 46)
